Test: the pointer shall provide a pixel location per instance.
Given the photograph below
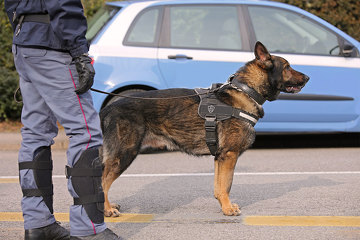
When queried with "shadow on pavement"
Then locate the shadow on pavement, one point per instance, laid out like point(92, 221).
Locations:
point(307, 140)
point(339, 140)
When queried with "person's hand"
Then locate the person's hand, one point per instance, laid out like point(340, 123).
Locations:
point(86, 73)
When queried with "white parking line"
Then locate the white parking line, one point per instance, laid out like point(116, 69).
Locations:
point(239, 174)
point(212, 174)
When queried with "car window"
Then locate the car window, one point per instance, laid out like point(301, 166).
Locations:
point(285, 31)
point(143, 30)
point(99, 20)
point(205, 27)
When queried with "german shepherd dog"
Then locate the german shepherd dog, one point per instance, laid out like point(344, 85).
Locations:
point(129, 123)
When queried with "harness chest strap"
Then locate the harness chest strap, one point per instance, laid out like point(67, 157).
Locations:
point(213, 110)
point(211, 134)
point(211, 129)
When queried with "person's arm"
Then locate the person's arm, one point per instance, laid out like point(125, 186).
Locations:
point(69, 24)
point(10, 6)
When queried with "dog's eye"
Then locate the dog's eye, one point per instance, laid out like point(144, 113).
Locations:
point(287, 67)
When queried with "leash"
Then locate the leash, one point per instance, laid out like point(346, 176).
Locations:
point(15, 95)
point(145, 98)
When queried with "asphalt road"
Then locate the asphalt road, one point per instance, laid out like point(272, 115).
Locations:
point(284, 193)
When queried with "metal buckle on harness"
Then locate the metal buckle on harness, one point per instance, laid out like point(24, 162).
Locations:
point(210, 123)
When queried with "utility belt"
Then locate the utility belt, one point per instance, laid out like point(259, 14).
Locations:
point(40, 18)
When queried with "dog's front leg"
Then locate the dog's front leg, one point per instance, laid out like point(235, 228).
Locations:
point(224, 172)
point(216, 179)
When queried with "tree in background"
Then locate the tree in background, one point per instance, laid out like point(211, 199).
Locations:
point(91, 6)
point(9, 109)
point(344, 14)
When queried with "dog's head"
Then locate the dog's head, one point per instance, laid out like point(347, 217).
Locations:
point(270, 75)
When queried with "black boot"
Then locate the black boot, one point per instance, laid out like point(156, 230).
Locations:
point(51, 232)
point(105, 235)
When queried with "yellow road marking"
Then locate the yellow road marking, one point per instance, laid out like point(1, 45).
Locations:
point(64, 217)
point(328, 221)
point(9, 180)
point(331, 221)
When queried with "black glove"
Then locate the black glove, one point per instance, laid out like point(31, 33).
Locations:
point(86, 73)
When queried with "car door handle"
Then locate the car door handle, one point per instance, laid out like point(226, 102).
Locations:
point(179, 56)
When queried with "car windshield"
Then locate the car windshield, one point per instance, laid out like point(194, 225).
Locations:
point(99, 20)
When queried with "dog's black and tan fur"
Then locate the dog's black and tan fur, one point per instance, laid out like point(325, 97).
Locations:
point(128, 124)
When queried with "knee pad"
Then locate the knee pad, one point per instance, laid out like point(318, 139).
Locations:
point(42, 170)
point(86, 181)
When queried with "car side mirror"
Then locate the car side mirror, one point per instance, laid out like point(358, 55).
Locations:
point(347, 50)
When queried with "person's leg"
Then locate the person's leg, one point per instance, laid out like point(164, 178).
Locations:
point(35, 163)
point(54, 77)
point(37, 135)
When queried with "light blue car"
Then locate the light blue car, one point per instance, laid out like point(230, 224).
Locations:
point(146, 45)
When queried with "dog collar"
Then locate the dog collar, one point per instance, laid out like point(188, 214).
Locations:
point(257, 97)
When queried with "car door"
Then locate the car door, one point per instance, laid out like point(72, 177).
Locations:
point(201, 44)
point(330, 100)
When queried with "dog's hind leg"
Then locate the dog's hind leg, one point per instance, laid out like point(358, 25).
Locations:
point(113, 168)
point(224, 172)
point(122, 144)
point(108, 177)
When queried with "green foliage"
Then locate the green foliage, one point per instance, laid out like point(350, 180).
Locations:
point(91, 6)
point(344, 14)
point(5, 40)
point(9, 109)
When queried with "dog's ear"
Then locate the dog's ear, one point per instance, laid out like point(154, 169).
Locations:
point(261, 53)
point(263, 56)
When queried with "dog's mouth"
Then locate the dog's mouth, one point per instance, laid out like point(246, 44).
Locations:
point(293, 88)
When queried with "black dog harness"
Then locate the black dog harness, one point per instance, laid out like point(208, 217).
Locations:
point(213, 110)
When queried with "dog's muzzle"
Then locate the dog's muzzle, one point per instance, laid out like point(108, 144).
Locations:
point(295, 88)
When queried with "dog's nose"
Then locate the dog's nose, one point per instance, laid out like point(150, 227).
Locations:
point(306, 78)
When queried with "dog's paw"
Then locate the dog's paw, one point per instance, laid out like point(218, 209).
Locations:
point(114, 211)
point(116, 206)
point(233, 210)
